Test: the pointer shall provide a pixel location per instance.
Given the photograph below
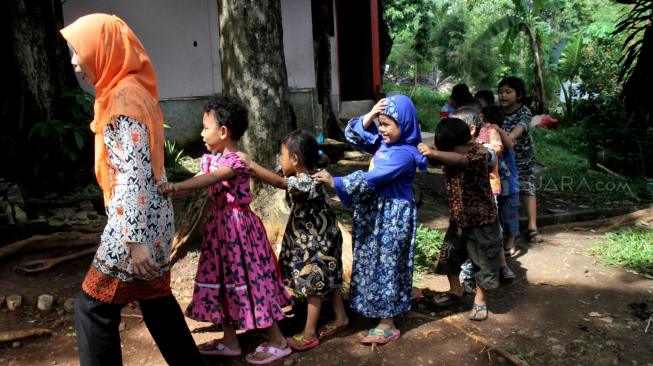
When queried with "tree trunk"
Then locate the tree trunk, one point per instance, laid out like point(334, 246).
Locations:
point(254, 69)
point(322, 31)
point(637, 100)
point(539, 72)
point(37, 73)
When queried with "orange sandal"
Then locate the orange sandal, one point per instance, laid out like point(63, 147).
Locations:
point(299, 343)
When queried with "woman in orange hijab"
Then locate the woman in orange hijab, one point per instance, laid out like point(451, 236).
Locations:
point(132, 261)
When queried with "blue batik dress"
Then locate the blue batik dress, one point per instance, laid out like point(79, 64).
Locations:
point(385, 215)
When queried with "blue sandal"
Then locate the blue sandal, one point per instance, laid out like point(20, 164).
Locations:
point(446, 298)
point(477, 309)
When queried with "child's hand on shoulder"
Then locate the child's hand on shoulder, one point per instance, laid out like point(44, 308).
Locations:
point(323, 177)
point(426, 150)
point(245, 158)
point(167, 188)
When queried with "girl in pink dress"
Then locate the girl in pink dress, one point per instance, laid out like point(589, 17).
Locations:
point(237, 283)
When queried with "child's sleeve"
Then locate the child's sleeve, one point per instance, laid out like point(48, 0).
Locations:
point(234, 163)
point(356, 186)
point(367, 140)
point(134, 148)
point(301, 186)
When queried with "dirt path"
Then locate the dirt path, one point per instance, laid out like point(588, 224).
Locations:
point(565, 309)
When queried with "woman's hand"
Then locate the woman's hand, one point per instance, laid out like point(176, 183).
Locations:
point(143, 265)
point(379, 107)
point(426, 150)
point(165, 189)
point(324, 177)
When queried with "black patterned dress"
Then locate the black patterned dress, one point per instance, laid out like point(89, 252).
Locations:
point(312, 244)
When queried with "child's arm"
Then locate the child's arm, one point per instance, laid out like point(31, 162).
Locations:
point(362, 132)
point(446, 158)
point(263, 174)
point(197, 182)
point(506, 139)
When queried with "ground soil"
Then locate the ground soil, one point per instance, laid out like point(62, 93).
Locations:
point(564, 309)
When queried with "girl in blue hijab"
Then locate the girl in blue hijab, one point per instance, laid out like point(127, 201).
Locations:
point(385, 215)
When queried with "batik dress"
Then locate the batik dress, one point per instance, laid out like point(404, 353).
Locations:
point(135, 213)
point(311, 251)
point(385, 221)
point(237, 278)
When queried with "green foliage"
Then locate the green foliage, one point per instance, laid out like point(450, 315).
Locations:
point(564, 152)
point(178, 164)
point(64, 144)
point(427, 103)
point(633, 25)
point(630, 248)
point(427, 246)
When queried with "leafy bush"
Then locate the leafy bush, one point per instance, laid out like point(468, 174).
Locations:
point(427, 103)
point(630, 248)
point(65, 148)
point(427, 246)
point(564, 152)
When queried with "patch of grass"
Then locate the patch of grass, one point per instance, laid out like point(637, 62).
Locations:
point(632, 249)
point(569, 172)
point(427, 102)
point(427, 246)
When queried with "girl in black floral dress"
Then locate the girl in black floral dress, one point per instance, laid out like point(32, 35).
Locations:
point(310, 256)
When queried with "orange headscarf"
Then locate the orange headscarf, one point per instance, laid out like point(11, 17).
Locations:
point(125, 84)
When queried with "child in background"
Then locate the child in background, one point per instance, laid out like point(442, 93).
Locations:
point(516, 123)
point(485, 98)
point(312, 244)
point(472, 210)
point(237, 283)
point(385, 214)
point(509, 198)
point(460, 96)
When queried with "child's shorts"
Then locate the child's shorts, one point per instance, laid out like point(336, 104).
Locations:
point(483, 247)
point(453, 252)
point(509, 214)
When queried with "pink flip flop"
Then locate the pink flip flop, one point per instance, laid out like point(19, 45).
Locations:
point(216, 348)
point(275, 354)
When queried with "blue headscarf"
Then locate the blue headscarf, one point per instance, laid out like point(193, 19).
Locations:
point(402, 110)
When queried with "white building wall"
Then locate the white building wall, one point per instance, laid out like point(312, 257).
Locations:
point(297, 26)
point(181, 38)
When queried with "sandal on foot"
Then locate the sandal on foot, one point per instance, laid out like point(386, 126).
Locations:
point(511, 252)
point(446, 298)
point(506, 275)
point(331, 328)
point(300, 343)
point(534, 236)
point(275, 354)
point(477, 309)
point(380, 336)
point(217, 348)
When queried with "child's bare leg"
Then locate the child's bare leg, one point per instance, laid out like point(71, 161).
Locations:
point(275, 337)
point(511, 242)
point(454, 285)
point(313, 314)
point(502, 259)
point(339, 308)
point(230, 340)
point(386, 323)
point(531, 211)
